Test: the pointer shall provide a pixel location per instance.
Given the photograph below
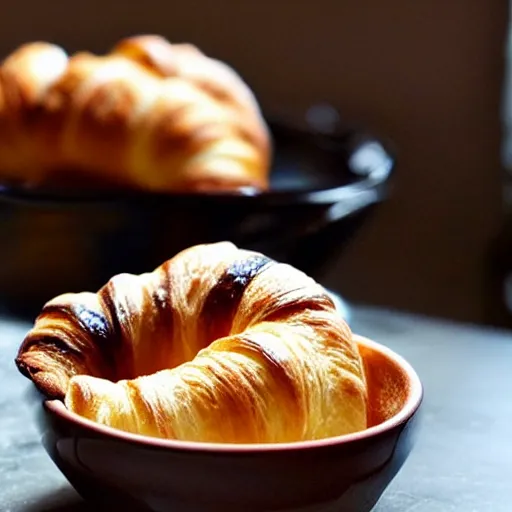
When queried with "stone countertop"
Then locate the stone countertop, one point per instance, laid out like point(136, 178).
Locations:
point(461, 463)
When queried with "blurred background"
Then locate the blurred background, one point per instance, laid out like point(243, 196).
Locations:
point(428, 76)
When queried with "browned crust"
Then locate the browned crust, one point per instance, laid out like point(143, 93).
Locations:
point(100, 124)
point(207, 310)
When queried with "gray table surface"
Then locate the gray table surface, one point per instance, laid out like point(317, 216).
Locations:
point(462, 460)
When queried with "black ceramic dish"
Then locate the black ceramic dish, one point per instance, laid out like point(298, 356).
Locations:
point(323, 184)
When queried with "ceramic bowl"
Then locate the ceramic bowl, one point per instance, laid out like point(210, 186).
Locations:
point(122, 471)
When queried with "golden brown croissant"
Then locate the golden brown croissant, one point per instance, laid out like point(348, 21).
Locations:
point(149, 115)
point(218, 344)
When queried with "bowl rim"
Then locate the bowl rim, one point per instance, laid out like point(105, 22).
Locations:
point(373, 183)
point(412, 404)
point(370, 178)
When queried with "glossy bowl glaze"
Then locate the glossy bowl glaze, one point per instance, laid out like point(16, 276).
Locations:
point(122, 471)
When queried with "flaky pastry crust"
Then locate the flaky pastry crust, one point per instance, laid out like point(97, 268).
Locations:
point(149, 115)
point(218, 344)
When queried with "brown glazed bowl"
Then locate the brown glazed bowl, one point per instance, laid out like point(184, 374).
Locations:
point(121, 471)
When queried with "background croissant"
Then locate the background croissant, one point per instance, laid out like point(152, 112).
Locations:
point(218, 344)
point(149, 115)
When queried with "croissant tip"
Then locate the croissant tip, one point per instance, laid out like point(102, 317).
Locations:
point(43, 382)
point(18, 362)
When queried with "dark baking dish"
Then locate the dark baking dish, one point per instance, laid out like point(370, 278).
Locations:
point(324, 182)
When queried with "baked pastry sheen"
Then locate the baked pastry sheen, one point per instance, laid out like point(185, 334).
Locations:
point(148, 115)
point(218, 344)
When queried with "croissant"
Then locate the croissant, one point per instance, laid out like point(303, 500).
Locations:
point(149, 115)
point(218, 344)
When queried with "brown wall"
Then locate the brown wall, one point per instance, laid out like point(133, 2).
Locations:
point(425, 73)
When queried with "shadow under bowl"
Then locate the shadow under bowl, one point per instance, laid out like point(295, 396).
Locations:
point(118, 470)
